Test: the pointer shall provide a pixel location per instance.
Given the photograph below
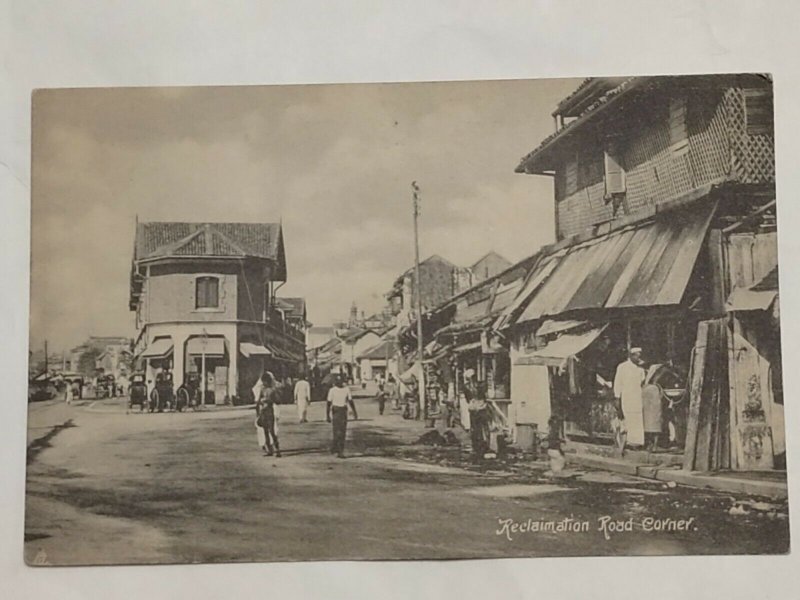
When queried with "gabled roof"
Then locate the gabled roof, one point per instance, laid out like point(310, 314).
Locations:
point(353, 337)
point(160, 239)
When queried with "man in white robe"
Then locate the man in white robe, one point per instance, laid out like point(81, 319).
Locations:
point(628, 392)
point(302, 396)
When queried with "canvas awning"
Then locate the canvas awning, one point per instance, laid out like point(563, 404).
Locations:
point(638, 266)
point(564, 346)
point(550, 326)
point(210, 346)
point(248, 349)
point(158, 349)
point(410, 374)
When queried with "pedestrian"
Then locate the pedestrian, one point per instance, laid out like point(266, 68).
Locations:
point(302, 396)
point(381, 398)
point(68, 392)
point(268, 413)
point(261, 436)
point(628, 393)
point(392, 392)
point(478, 418)
point(339, 398)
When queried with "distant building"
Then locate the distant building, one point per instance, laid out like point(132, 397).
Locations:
point(110, 356)
point(204, 298)
point(319, 336)
point(488, 266)
point(439, 280)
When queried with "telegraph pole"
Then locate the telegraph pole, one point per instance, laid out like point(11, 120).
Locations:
point(418, 285)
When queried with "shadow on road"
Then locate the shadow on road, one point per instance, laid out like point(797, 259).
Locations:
point(39, 444)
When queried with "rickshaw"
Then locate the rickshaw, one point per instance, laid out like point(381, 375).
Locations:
point(188, 393)
point(162, 396)
point(106, 386)
point(138, 391)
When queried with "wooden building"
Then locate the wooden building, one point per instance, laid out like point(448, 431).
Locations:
point(665, 220)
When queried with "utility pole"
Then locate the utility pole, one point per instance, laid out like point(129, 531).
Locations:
point(46, 363)
point(203, 369)
point(418, 285)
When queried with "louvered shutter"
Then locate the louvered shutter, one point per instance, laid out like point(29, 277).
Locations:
point(614, 175)
point(758, 111)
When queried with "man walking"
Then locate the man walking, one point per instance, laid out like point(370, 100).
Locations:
point(302, 396)
point(339, 398)
point(392, 392)
point(267, 416)
point(381, 397)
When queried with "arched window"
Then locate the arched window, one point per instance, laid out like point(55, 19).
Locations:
point(206, 292)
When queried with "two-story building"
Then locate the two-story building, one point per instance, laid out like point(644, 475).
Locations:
point(665, 229)
point(204, 299)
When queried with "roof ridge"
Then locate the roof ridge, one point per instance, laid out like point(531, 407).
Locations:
point(168, 249)
point(227, 239)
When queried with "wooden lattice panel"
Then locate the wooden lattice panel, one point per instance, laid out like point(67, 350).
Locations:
point(752, 155)
point(658, 171)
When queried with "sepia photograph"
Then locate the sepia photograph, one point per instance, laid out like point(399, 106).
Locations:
point(391, 321)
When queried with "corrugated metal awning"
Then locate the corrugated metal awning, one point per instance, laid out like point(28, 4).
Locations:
point(210, 346)
point(554, 353)
point(648, 265)
point(158, 349)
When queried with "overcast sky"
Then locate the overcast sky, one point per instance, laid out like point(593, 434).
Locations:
point(334, 162)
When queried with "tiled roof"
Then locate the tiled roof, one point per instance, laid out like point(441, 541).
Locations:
point(162, 239)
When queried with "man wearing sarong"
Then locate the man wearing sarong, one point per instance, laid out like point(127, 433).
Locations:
point(628, 393)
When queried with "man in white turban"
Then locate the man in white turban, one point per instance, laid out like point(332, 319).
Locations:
point(628, 392)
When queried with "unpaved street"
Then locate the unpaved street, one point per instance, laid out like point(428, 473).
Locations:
point(149, 488)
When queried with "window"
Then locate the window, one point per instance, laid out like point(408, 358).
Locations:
point(758, 113)
point(571, 177)
point(614, 173)
point(206, 292)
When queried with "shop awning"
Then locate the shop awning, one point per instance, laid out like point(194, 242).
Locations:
point(410, 374)
point(554, 353)
point(248, 349)
point(550, 326)
point(158, 349)
point(758, 296)
point(642, 265)
point(210, 346)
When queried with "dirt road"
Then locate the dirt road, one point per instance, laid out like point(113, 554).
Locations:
point(117, 488)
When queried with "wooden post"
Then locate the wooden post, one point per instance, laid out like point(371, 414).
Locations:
point(695, 395)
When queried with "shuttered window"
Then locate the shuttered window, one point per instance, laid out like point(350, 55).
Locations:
point(571, 177)
point(206, 292)
point(614, 174)
point(678, 132)
point(758, 111)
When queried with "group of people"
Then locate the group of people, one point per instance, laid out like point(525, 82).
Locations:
point(640, 403)
point(267, 394)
